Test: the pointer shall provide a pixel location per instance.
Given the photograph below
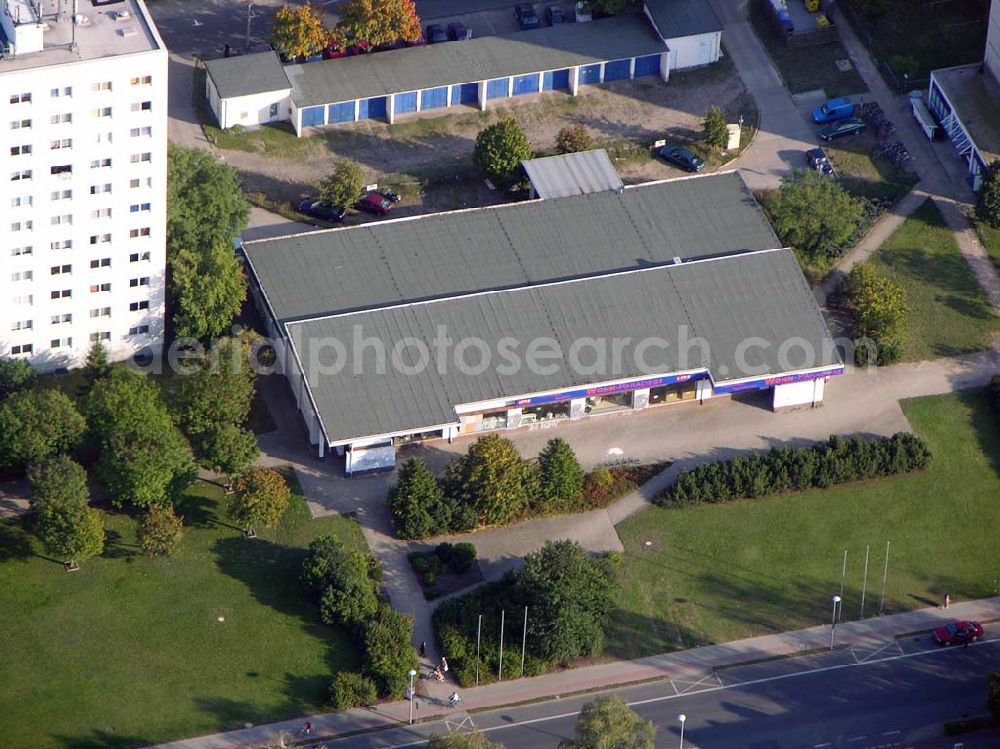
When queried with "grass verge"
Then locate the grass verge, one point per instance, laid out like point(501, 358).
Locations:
point(715, 573)
point(990, 238)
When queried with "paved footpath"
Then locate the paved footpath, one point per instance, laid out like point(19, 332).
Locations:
point(692, 666)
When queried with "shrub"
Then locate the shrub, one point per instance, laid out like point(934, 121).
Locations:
point(560, 474)
point(877, 306)
point(351, 689)
point(573, 138)
point(417, 502)
point(492, 478)
point(343, 186)
point(714, 128)
point(160, 530)
point(36, 425)
point(814, 214)
point(500, 149)
point(461, 558)
point(389, 651)
point(343, 580)
point(601, 477)
point(260, 498)
point(988, 199)
point(15, 375)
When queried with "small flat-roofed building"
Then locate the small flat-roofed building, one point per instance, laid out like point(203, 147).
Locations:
point(248, 90)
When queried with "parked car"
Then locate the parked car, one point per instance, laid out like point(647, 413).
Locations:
point(833, 110)
point(459, 32)
point(395, 197)
point(373, 202)
point(581, 12)
point(818, 161)
point(319, 209)
point(958, 633)
point(554, 14)
point(526, 17)
point(435, 34)
point(840, 128)
point(682, 157)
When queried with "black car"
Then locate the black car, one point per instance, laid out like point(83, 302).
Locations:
point(526, 16)
point(319, 209)
point(435, 34)
point(459, 32)
point(682, 157)
point(818, 161)
point(554, 14)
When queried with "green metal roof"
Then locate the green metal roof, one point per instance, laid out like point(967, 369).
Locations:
point(724, 300)
point(483, 58)
point(388, 262)
point(245, 75)
point(680, 18)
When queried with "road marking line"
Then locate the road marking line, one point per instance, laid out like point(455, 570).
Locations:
point(857, 738)
point(820, 746)
point(891, 733)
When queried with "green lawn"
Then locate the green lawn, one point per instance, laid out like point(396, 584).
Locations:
point(860, 174)
point(990, 238)
point(948, 313)
point(137, 644)
point(721, 572)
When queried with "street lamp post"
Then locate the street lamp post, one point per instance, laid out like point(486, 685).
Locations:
point(682, 717)
point(833, 623)
point(413, 695)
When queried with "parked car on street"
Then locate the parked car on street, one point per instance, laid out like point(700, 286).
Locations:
point(319, 209)
point(581, 12)
point(958, 633)
point(817, 160)
point(459, 32)
point(435, 34)
point(554, 14)
point(833, 110)
point(682, 157)
point(526, 17)
point(374, 202)
point(840, 128)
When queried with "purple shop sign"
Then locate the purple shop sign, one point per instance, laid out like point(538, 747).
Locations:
point(601, 390)
point(766, 382)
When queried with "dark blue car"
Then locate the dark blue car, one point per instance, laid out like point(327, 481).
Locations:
point(526, 16)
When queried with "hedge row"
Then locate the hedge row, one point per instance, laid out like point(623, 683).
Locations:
point(835, 461)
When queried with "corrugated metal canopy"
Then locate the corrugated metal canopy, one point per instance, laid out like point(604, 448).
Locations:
point(724, 301)
point(513, 245)
point(573, 174)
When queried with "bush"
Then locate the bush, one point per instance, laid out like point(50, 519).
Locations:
point(351, 689)
point(15, 375)
point(500, 149)
point(560, 473)
point(814, 214)
point(417, 502)
point(260, 498)
point(343, 186)
point(714, 128)
point(835, 461)
point(601, 477)
point(343, 580)
point(988, 199)
point(878, 308)
point(160, 530)
point(36, 425)
point(493, 479)
point(389, 651)
point(573, 138)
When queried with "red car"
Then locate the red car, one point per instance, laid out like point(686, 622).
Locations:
point(958, 633)
point(374, 202)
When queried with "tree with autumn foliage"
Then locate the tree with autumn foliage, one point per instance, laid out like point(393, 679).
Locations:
point(299, 31)
point(379, 22)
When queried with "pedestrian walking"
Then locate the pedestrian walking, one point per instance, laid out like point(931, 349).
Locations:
point(437, 674)
point(947, 600)
point(454, 700)
point(444, 664)
point(423, 649)
point(307, 729)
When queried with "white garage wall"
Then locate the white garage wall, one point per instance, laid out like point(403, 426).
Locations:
point(691, 51)
point(253, 110)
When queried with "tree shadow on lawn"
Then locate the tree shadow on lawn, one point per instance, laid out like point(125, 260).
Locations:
point(14, 540)
point(306, 695)
point(985, 423)
point(106, 739)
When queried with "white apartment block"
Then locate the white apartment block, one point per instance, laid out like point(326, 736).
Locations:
point(83, 170)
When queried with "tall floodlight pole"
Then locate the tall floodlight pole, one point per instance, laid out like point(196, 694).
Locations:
point(833, 622)
point(500, 667)
point(885, 573)
point(864, 583)
point(413, 695)
point(682, 717)
point(479, 633)
point(524, 639)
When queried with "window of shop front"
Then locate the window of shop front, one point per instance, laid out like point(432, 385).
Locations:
point(603, 404)
point(418, 437)
point(492, 420)
point(545, 412)
point(682, 391)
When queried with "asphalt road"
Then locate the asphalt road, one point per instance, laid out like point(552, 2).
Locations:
point(896, 696)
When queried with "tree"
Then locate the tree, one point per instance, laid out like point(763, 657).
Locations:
point(570, 597)
point(208, 289)
point(260, 498)
point(714, 128)
point(298, 30)
point(15, 375)
point(228, 448)
point(500, 149)
point(388, 645)
point(351, 689)
point(988, 199)
point(58, 478)
point(71, 531)
point(492, 478)
point(343, 186)
point(144, 459)
point(560, 472)
point(474, 740)
point(814, 214)
point(573, 138)
point(343, 579)
point(610, 7)
point(879, 310)
point(97, 366)
point(417, 502)
point(609, 723)
point(160, 530)
point(36, 424)
point(379, 22)
point(993, 695)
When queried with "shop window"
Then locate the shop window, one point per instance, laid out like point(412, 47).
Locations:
point(607, 403)
point(545, 412)
point(684, 391)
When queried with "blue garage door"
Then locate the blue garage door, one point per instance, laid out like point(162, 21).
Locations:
point(649, 65)
point(555, 80)
point(617, 70)
point(497, 88)
point(313, 116)
point(465, 93)
point(406, 102)
point(590, 74)
point(343, 112)
point(372, 109)
point(434, 98)
point(525, 84)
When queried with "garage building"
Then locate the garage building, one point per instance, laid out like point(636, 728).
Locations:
point(248, 91)
point(360, 315)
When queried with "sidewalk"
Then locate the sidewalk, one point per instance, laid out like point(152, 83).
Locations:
point(686, 664)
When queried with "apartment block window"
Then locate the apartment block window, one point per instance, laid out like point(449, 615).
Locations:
point(100, 312)
point(60, 319)
point(20, 124)
point(60, 342)
point(57, 270)
point(97, 288)
point(62, 244)
point(61, 294)
point(20, 98)
point(20, 150)
point(136, 157)
point(22, 275)
point(58, 92)
point(61, 195)
point(100, 238)
point(100, 163)
point(25, 299)
point(104, 262)
point(101, 213)
point(144, 132)
point(136, 207)
point(21, 200)
point(141, 281)
point(101, 112)
point(63, 171)
point(136, 257)
point(102, 86)
point(144, 232)
point(142, 106)
point(22, 226)
point(60, 119)
point(21, 174)
point(104, 138)
point(66, 218)
point(136, 306)
point(22, 325)
point(143, 80)
point(19, 251)
point(138, 330)
point(97, 189)
point(22, 349)
point(102, 336)
point(61, 143)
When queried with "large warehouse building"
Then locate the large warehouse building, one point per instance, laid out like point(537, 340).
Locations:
point(564, 308)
